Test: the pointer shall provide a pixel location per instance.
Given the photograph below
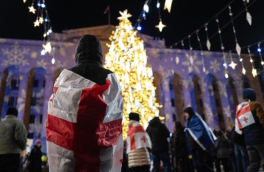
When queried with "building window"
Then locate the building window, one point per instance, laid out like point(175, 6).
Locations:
point(44, 83)
point(201, 103)
point(174, 117)
point(30, 135)
point(217, 103)
point(40, 119)
point(172, 102)
point(12, 101)
point(171, 86)
point(215, 87)
point(33, 101)
point(35, 83)
point(198, 88)
point(32, 119)
point(14, 84)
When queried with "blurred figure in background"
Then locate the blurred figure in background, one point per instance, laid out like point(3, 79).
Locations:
point(222, 147)
point(34, 160)
point(158, 134)
point(231, 158)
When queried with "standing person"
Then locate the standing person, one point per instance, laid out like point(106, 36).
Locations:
point(240, 150)
point(231, 158)
point(222, 147)
point(34, 160)
point(158, 134)
point(13, 139)
point(199, 138)
point(212, 154)
point(250, 121)
point(179, 143)
point(138, 143)
point(85, 115)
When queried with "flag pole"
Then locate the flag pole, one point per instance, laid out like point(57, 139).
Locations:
point(109, 15)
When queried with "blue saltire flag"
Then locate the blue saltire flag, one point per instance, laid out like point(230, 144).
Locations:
point(200, 132)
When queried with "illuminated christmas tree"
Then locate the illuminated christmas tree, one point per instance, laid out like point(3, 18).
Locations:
point(128, 60)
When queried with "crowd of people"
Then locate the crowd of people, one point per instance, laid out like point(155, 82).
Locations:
point(192, 148)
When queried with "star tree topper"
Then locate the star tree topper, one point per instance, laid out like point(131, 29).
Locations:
point(124, 15)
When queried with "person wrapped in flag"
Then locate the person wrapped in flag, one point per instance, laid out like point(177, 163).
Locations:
point(250, 121)
point(138, 142)
point(199, 138)
point(85, 112)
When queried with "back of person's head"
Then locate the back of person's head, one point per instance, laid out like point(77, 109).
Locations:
point(250, 94)
point(88, 50)
point(178, 125)
point(12, 111)
point(134, 116)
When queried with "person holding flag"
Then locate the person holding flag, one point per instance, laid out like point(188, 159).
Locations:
point(199, 138)
point(250, 121)
point(138, 143)
point(85, 112)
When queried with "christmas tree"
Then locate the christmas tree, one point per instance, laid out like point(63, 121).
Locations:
point(128, 60)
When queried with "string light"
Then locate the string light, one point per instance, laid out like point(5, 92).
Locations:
point(208, 44)
point(232, 64)
point(36, 23)
point(160, 26)
point(139, 27)
point(260, 55)
point(158, 4)
point(53, 60)
point(198, 39)
point(42, 53)
point(47, 47)
point(254, 71)
point(146, 7)
point(222, 47)
point(130, 67)
point(32, 9)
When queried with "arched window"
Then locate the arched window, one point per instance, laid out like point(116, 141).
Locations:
point(159, 92)
point(37, 102)
point(245, 82)
point(232, 97)
point(215, 101)
point(11, 89)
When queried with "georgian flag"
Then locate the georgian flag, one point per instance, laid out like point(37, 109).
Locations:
point(244, 117)
point(84, 127)
point(137, 137)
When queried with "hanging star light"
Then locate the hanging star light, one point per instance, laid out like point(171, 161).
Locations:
point(167, 5)
point(36, 23)
point(41, 20)
point(47, 47)
point(124, 15)
point(232, 65)
point(32, 9)
point(254, 72)
point(160, 26)
point(24, 1)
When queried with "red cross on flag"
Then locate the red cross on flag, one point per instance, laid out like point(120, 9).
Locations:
point(244, 117)
point(84, 127)
point(137, 137)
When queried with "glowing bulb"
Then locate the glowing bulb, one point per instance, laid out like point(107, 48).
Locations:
point(43, 5)
point(251, 60)
point(49, 31)
point(146, 8)
point(53, 60)
point(41, 20)
point(262, 62)
point(139, 27)
point(240, 59)
point(259, 49)
point(254, 72)
point(42, 52)
point(244, 71)
point(226, 75)
point(46, 20)
point(158, 4)
point(144, 15)
point(224, 64)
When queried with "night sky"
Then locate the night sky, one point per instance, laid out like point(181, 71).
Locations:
point(185, 17)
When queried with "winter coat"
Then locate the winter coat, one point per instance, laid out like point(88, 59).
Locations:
point(236, 138)
point(89, 59)
point(35, 162)
point(158, 134)
point(138, 157)
point(222, 147)
point(180, 144)
point(13, 135)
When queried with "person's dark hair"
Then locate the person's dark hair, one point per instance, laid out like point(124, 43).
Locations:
point(220, 133)
point(178, 125)
point(190, 111)
point(134, 116)
point(12, 111)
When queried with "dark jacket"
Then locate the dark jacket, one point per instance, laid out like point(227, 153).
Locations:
point(35, 160)
point(254, 134)
point(158, 134)
point(222, 147)
point(89, 59)
point(236, 138)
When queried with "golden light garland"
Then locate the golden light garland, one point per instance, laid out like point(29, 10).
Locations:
point(128, 60)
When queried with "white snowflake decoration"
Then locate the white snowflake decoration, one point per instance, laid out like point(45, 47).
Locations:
point(15, 56)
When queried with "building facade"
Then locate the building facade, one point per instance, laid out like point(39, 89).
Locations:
point(27, 78)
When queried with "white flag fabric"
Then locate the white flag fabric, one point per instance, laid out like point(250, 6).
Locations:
point(84, 126)
point(137, 137)
point(244, 117)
